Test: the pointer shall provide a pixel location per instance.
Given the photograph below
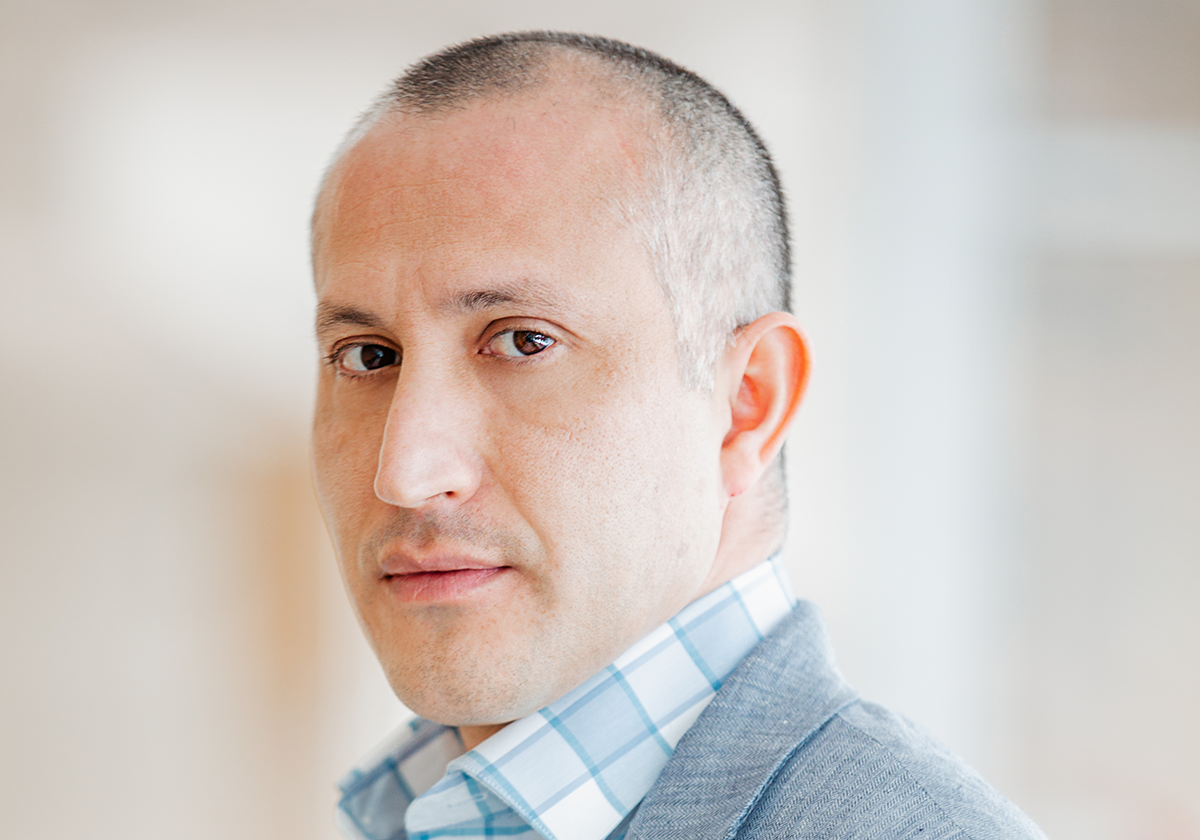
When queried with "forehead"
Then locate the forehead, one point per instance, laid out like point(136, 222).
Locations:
point(545, 172)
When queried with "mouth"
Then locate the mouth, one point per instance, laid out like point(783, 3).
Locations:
point(438, 580)
point(441, 586)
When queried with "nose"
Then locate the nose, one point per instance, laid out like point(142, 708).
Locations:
point(428, 454)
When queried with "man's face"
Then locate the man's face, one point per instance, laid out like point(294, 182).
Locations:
point(517, 482)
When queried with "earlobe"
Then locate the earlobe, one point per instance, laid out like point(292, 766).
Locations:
point(765, 373)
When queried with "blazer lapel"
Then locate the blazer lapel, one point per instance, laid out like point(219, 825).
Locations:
point(785, 690)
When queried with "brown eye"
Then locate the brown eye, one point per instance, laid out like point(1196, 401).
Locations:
point(364, 358)
point(517, 343)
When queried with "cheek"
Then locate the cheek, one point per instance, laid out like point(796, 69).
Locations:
point(600, 468)
point(345, 441)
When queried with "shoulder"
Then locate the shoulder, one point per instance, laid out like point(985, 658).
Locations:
point(869, 773)
point(787, 750)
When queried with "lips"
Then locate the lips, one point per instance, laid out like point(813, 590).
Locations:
point(437, 579)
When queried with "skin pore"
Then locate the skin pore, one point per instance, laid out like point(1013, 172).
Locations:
point(517, 482)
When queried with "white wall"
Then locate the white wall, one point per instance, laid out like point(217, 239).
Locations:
point(178, 658)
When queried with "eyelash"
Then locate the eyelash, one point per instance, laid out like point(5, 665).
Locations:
point(513, 331)
point(337, 355)
point(335, 358)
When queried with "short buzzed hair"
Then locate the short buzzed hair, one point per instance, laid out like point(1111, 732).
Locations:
point(712, 216)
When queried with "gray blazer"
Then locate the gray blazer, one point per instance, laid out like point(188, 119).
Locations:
point(787, 750)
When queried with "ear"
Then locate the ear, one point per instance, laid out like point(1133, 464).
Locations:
point(762, 376)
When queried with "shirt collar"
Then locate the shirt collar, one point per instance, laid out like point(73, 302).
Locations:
point(576, 769)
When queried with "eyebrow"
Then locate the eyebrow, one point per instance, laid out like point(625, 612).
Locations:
point(526, 293)
point(330, 315)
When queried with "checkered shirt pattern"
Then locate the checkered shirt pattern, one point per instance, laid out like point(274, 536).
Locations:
point(577, 769)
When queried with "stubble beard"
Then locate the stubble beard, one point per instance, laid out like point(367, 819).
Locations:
point(459, 665)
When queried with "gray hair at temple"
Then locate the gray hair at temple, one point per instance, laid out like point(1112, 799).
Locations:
point(712, 216)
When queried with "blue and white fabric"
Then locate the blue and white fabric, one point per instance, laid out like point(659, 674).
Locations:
point(577, 769)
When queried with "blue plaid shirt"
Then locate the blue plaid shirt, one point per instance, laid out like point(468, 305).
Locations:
point(577, 769)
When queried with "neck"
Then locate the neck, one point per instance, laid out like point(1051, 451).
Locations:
point(473, 736)
point(752, 530)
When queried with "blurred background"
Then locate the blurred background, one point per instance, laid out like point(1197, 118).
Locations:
point(994, 482)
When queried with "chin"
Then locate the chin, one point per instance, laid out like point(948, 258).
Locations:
point(479, 700)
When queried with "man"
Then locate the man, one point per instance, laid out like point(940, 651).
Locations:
point(559, 369)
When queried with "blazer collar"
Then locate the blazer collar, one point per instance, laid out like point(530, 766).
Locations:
point(785, 690)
